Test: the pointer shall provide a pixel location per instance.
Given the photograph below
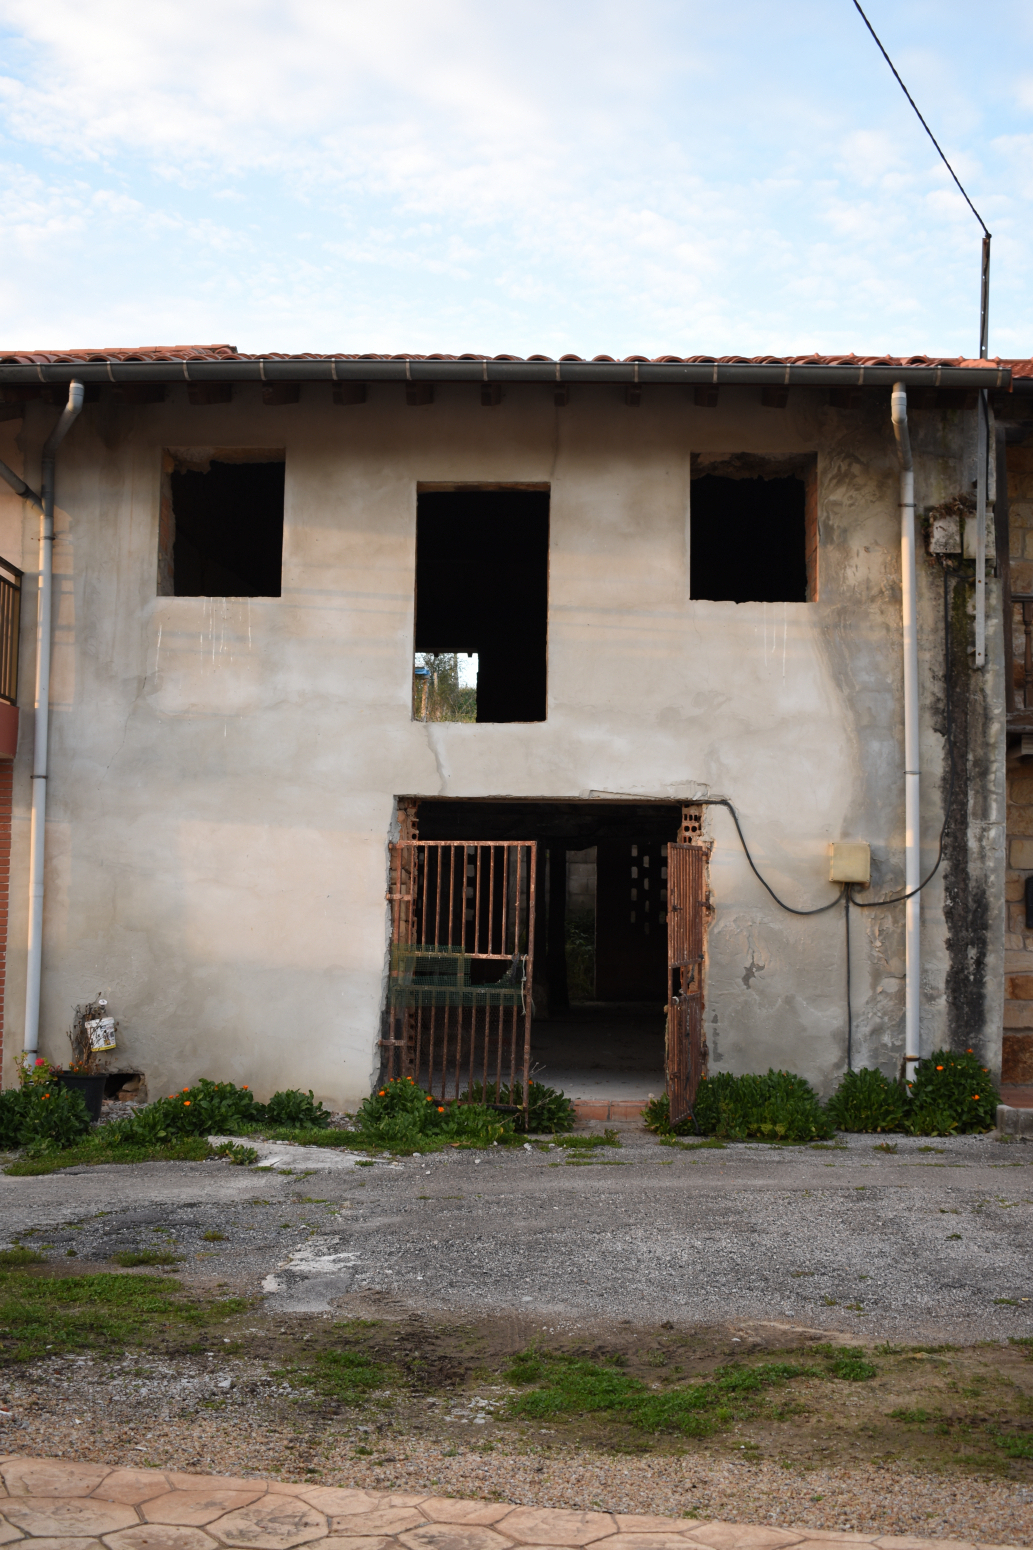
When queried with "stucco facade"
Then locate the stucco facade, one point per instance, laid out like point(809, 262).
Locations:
point(224, 773)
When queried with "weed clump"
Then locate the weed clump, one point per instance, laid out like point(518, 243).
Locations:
point(778, 1106)
point(548, 1111)
point(401, 1117)
point(40, 1115)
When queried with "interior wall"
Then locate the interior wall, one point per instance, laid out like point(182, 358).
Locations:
point(224, 771)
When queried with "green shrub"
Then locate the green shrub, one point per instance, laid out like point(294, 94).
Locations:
point(232, 1151)
point(207, 1109)
point(401, 1117)
point(778, 1106)
point(866, 1100)
point(952, 1093)
point(297, 1109)
point(548, 1111)
point(42, 1118)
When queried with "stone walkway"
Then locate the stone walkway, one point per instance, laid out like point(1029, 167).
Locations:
point(60, 1505)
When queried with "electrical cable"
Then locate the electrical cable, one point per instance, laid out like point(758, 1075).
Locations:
point(921, 120)
point(724, 802)
point(899, 898)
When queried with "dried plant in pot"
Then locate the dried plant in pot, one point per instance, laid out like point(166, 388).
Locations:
point(92, 1034)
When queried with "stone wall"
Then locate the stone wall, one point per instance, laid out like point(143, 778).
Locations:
point(1017, 1050)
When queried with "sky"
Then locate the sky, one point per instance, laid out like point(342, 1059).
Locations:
point(547, 176)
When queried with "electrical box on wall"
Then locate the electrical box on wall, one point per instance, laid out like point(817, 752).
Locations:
point(850, 862)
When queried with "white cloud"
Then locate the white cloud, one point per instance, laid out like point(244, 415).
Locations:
point(436, 174)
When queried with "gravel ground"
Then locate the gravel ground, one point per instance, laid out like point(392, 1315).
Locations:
point(928, 1244)
point(133, 1416)
point(932, 1241)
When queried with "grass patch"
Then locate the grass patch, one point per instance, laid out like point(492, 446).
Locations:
point(130, 1257)
point(44, 1313)
point(214, 1236)
point(586, 1143)
point(349, 1376)
point(1015, 1447)
point(560, 1385)
point(11, 1258)
point(97, 1149)
point(709, 1144)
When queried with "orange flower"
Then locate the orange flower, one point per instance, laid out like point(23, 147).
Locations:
point(186, 1103)
point(939, 1068)
point(975, 1097)
point(441, 1111)
point(244, 1088)
point(429, 1098)
point(382, 1093)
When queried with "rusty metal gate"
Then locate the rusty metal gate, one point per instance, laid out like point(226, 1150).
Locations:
point(462, 960)
point(686, 1054)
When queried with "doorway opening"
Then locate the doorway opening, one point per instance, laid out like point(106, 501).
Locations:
point(602, 985)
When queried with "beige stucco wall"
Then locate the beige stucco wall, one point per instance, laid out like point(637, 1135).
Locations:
point(223, 772)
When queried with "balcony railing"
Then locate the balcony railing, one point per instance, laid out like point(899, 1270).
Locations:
point(10, 618)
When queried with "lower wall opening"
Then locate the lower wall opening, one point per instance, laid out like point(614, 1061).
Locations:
point(600, 940)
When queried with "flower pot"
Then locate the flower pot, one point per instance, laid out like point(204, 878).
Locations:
point(91, 1087)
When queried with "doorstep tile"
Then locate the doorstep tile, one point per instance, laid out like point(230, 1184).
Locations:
point(67, 1516)
point(52, 1477)
point(554, 1526)
point(197, 1507)
point(274, 1523)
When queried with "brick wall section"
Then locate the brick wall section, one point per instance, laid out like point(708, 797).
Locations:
point(6, 802)
point(1017, 1058)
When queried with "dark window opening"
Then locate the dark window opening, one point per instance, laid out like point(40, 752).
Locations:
point(223, 533)
point(750, 540)
point(482, 592)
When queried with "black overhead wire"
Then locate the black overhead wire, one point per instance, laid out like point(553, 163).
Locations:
point(724, 802)
point(921, 120)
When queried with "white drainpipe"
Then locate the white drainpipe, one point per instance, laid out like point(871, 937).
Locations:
point(912, 797)
point(39, 755)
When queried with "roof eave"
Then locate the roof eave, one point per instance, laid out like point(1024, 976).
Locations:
point(405, 369)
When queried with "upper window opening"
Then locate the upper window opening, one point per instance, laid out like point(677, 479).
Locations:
point(482, 591)
point(222, 526)
point(754, 539)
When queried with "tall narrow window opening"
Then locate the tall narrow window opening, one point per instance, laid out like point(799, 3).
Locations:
point(482, 590)
point(222, 526)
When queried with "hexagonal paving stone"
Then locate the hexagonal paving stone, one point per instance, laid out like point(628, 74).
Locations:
point(552, 1526)
point(52, 1477)
point(445, 1509)
point(198, 1507)
point(646, 1523)
point(66, 1544)
point(131, 1486)
point(742, 1536)
point(454, 1536)
point(8, 1533)
point(332, 1499)
point(179, 1481)
point(160, 1536)
point(356, 1542)
point(274, 1523)
point(911, 1542)
point(382, 1520)
point(67, 1516)
point(672, 1540)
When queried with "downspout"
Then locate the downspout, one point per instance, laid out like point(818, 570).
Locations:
point(912, 798)
point(37, 831)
